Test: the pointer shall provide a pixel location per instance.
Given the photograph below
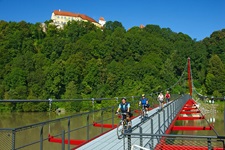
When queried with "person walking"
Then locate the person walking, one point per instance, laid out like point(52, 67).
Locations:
point(167, 96)
point(161, 100)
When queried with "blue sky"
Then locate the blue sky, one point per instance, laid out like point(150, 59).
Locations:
point(196, 18)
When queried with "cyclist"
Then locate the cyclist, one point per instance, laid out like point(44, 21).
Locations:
point(144, 102)
point(125, 108)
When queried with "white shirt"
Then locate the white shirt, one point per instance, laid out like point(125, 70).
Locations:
point(160, 97)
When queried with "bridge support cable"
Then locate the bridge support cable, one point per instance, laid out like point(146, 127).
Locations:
point(180, 79)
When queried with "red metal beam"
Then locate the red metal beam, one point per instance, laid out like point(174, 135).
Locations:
point(190, 102)
point(189, 108)
point(95, 124)
point(190, 112)
point(184, 147)
point(137, 111)
point(191, 128)
point(59, 140)
point(190, 118)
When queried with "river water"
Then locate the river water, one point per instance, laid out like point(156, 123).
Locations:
point(16, 120)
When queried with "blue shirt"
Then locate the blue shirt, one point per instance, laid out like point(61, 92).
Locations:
point(143, 101)
point(124, 107)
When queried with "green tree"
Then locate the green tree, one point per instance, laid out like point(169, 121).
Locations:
point(112, 25)
point(72, 93)
point(215, 75)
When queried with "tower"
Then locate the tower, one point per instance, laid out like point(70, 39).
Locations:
point(101, 21)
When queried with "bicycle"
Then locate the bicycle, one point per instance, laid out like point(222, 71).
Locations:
point(143, 112)
point(123, 126)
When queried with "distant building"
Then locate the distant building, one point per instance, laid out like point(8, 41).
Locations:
point(60, 18)
point(101, 21)
point(142, 26)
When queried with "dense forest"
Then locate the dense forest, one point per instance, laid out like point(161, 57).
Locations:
point(40, 61)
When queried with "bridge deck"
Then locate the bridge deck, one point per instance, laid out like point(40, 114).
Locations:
point(158, 123)
point(110, 140)
point(152, 133)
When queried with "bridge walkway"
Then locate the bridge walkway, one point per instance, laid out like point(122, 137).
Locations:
point(157, 122)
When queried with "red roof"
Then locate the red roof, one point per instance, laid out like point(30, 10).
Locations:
point(142, 26)
point(64, 13)
point(101, 18)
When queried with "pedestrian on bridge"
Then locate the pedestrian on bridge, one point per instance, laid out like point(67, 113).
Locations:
point(161, 100)
point(167, 96)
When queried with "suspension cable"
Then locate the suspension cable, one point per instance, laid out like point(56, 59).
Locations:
point(185, 68)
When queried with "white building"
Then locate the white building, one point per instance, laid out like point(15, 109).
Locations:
point(61, 17)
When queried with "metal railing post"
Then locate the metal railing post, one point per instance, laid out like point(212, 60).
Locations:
point(164, 121)
point(173, 110)
point(151, 133)
point(141, 140)
point(41, 138)
point(13, 139)
point(129, 142)
point(168, 116)
point(113, 117)
point(159, 122)
point(209, 143)
point(171, 113)
point(69, 134)
point(102, 121)
point(87, 127)
point(63, 139)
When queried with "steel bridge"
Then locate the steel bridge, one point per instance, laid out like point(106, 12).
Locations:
point(153, 133)
point(160, 130)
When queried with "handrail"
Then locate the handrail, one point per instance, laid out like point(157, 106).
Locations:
point(135, 135)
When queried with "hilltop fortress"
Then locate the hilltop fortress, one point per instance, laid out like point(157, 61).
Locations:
point(62, 17)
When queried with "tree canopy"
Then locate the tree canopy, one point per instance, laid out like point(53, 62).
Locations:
point(82, 60)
